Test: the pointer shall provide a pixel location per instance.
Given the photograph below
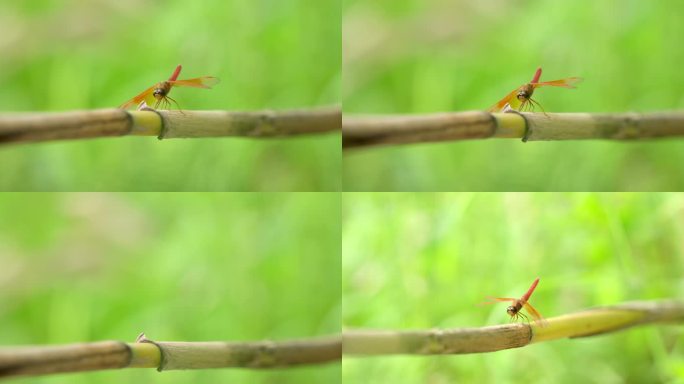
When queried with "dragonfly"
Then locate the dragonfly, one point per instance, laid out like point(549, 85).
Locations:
point(158, 94)
point(521, 98)
point(518, 304)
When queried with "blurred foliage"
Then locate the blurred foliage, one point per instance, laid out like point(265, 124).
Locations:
point(415, 56)
point(193, 267)
point(67, 54)
point(418, 261)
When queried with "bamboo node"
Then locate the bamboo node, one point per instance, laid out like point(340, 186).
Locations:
point(143, 339)
point(435, 342)
point(266, 355)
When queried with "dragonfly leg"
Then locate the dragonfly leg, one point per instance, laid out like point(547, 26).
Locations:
point(540, 106)
point(527, 319)
point(178, 106)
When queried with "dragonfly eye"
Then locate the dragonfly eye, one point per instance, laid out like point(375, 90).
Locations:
point(511, 310)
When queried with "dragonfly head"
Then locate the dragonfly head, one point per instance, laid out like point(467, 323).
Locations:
point(161, 90)
point(525, 92)
point(512, 311)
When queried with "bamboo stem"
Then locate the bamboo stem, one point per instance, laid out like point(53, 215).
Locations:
point(251, 124)
point(264, 354)
point(488, 339)
point(435, 341)
point(31, 127)
point(34, 127)
point(41, 360)
point(622, 126)
point(362, 131)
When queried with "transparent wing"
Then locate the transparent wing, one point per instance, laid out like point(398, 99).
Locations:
point(144, 95)
point(565, 83)
point(497, 300)
point(198, 82)
point(498, 107)
point(535, 315)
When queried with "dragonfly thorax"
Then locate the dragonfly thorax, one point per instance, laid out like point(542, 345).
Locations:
point(161, 90)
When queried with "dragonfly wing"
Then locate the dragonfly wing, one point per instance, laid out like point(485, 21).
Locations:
point(535, 315)
point(498, 107)
point(198, 82)
point(495, 300)
point(144, 95)
point(565, 83)
point(150, 100)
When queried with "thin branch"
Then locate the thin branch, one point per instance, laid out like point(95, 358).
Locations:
point(361, 131)
point(41, 360)
point(251, 124)
point(358, 131)
point(15, 361)
point(32, 127)
point(488, 339)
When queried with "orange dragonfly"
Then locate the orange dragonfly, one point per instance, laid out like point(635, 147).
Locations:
point(521, 98)
point(517, 304)
point(158, 94)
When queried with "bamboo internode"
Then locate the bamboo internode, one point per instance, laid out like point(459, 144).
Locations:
point(362, 131)
point(186, 124)
point(33, 127)
point(488, 339)
point(264, 354)
point(16, 361)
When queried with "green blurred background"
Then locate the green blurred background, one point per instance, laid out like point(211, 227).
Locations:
point(60, 55)
point(418, 261)
point(417, 56)
point(194, 267)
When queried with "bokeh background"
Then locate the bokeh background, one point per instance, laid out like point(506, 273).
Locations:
point(60, 55)
point(421, 261)
point(193, 267)
point(417, 56)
